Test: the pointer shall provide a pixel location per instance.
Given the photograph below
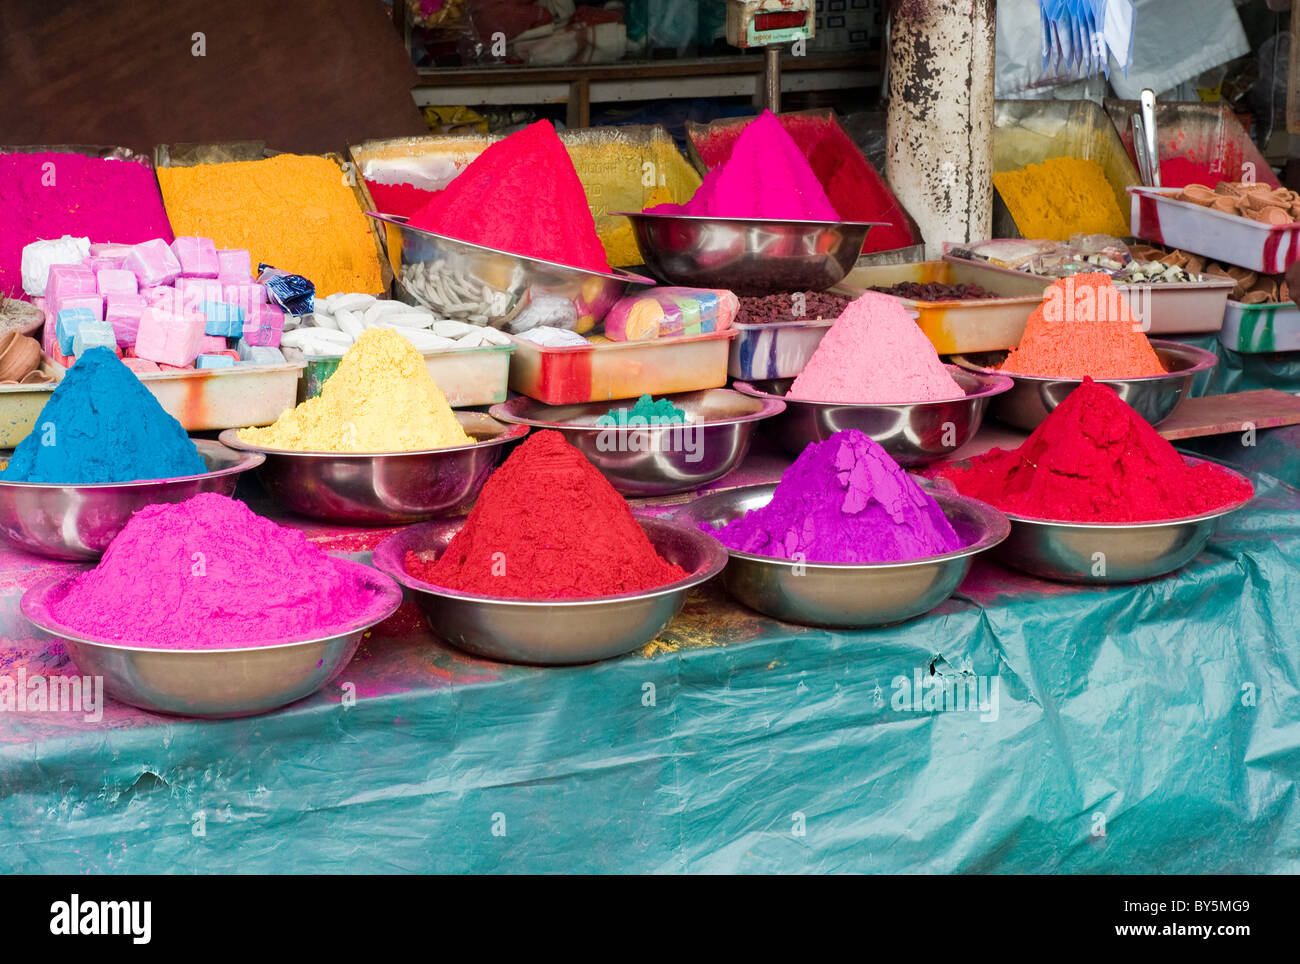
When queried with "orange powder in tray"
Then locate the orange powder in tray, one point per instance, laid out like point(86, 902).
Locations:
point(1083, 327)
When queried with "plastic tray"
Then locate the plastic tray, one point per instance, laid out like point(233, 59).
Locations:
point(206, 400)
point(957, 327)
point(467, 376)
point(778, 349)
point(1258, 329)
point(1158, 216)
point(1032, 131)
point(606, 370)
point(1177, 308)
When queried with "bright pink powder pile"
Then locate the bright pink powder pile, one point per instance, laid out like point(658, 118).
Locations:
point(875, 354)
point(767, 176)
point(209, 574)
point(46, 196)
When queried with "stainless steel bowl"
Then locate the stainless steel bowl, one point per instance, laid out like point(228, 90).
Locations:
point(1103, 554)
point(828, 594)
point(361, 488)
point(212, 683)
point(913, 433)
point(520, 292)
point(77, 522)
point(1154, 397)
point(645, 461)
point(751, 256)
point(549, 631)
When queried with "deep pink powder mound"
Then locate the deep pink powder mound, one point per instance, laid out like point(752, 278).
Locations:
point(767, 176)
point(45, 196)
point(209, 574)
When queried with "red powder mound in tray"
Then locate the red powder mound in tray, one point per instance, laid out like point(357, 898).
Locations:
point(548, 525)
point(1094, 459)
point(402, 200)
point(521, 195)
point(853, 186)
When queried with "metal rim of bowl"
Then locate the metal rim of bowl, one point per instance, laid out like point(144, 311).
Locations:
point(390, 593)
point(714, 551)
point(230, 437)
point(991, 383)
point(769, 406)
point(247, 459)
point(1201, 360)
point(703, 218)
point(993, 520)
point(615, 274)
point(1156, 524)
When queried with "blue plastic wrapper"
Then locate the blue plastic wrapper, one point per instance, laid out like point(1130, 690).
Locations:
point(292, 292)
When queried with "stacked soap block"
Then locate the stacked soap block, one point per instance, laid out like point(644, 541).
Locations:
point(183, 305)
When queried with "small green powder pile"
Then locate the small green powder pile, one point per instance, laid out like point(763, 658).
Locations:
point(646, 411)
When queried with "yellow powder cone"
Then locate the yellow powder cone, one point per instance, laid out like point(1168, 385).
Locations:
point(381, 399)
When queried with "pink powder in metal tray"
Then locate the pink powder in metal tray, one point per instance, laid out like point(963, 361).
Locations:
point(210, 574)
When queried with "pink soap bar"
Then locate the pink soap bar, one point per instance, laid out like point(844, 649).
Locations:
point(57, 356)
point(160, 296)
point(235, 266)
point(109, 249)
point(117, 281)
point(212, 345)
point(95, 302)
point(123, 313)
point(192, 292)
point(175, 368)
point(265, 326)
point(140, 365)
point(169, 338)
point(97, 265)
point(68, 279)
point(153, 263)
point(198, 257)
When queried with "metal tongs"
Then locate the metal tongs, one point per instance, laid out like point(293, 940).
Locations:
point(1145, 142)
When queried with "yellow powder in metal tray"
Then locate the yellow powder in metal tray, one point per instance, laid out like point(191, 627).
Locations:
point(381, 399)
point(1060, 197)
point(291, 211)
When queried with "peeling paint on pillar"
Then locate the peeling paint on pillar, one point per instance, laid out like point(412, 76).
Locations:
point(939, 155)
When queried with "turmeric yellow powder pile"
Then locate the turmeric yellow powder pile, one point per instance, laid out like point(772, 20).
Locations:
point(381, 399)
point(1060, 197)
point(291, 211)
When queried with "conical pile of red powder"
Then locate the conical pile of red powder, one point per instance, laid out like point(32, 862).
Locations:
point(1083, 327)
point(521, 195)
point(548, 525)
point(1094, 459)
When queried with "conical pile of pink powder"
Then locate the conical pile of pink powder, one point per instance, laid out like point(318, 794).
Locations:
point(875, 354)
point(767, 176)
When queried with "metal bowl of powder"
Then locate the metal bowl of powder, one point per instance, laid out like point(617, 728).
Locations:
point(846, 595)
point(1110, 553)
point(385, 488)
point(750, 256)
point(77, 522)
point(552, 631)
point(1154, 397)
point(644, 460)
point(470, 282)
point(913, 433)
point(215, 683)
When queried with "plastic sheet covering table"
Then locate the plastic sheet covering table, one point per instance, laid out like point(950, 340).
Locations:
point(1148, 728)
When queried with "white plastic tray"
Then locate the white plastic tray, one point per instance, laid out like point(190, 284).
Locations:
point(1158, 216)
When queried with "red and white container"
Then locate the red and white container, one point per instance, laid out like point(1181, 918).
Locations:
point(1157, 215)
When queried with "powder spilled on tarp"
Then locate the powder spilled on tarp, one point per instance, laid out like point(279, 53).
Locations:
point(380, 399)
point(521, 195)
point(1084, 326)
point(844, 500)
point(548, 525)
point(1094, 459)
point(875, 353)
point(766, 176)
point(102, 425)
point(210, 574)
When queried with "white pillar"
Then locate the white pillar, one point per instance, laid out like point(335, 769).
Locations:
point(939, 158)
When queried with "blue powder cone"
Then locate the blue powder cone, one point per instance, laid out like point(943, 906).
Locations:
point(102, 425)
